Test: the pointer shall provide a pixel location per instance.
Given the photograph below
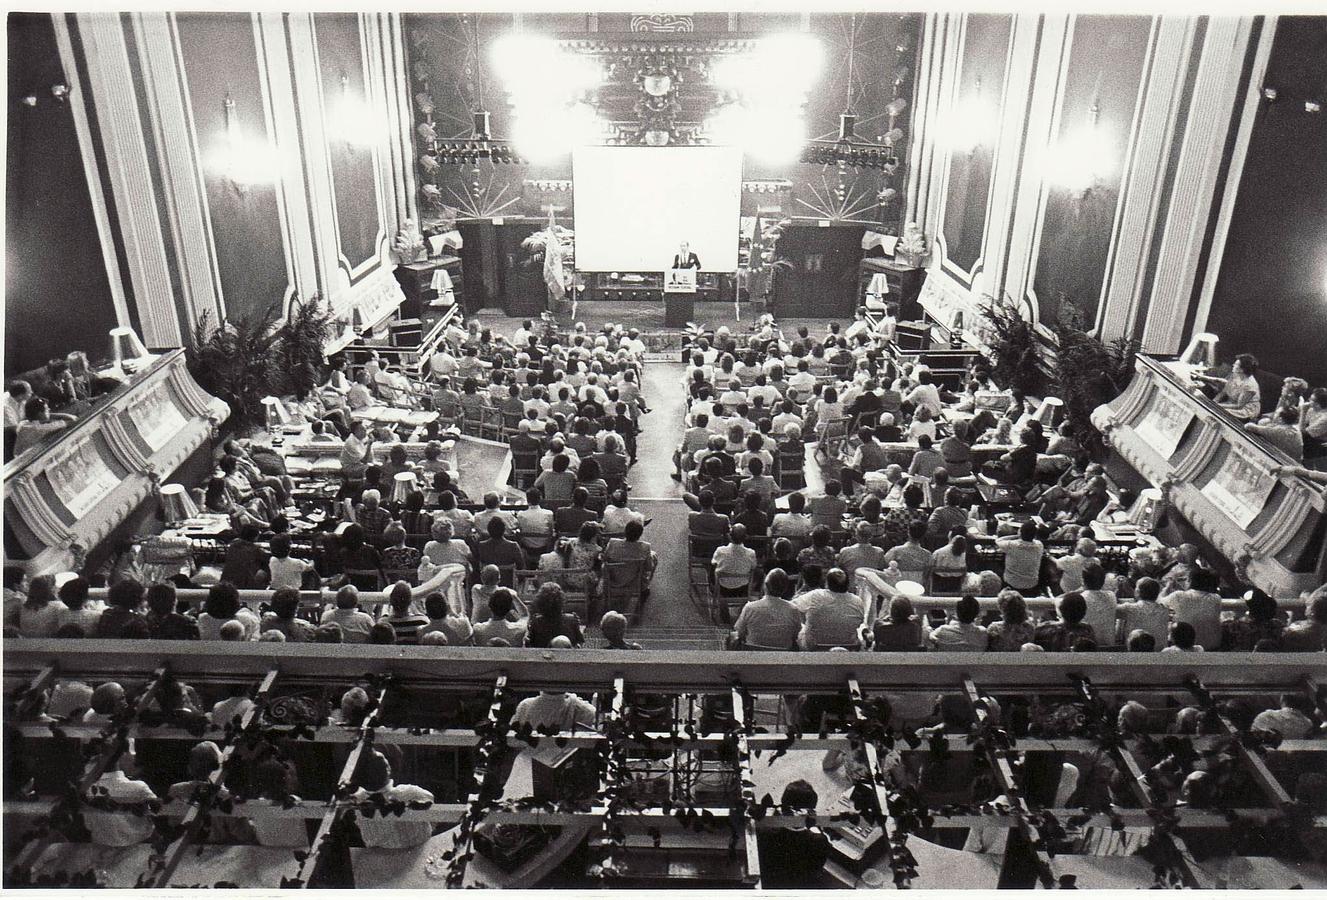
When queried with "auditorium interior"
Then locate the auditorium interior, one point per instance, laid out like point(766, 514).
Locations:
point(764, 450)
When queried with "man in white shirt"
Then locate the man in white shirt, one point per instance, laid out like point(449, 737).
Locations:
point(534, 519)
point(1200, 606)
point(554, 710)
point(355, 452)
point(119, 828)
point(634, 344)
point(373, 776)
point(734, 562)
point(925, 394)
point(771, 621)
point(863, 554)
point(617, 514)
point(1022, 558)
point(1071, 566)
point(734, 395)
point(521, 336)
point(833, 616)
point(360, 396)
point(962, 634)
point(1101, 604)
point(442, 364)
point(795, 523)
point(1293, 720)
point(802, 380)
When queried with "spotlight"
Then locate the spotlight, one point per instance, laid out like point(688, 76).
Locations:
point(59, 92)
point(30, 100)
point(1269, 94)
point(1312, 106)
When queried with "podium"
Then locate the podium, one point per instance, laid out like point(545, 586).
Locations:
point(679, 297)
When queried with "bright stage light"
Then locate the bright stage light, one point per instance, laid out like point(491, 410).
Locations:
point(772, 82)
point(767, 135)
point(547, 134)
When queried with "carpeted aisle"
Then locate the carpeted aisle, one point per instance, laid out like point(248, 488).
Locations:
point(659, 497)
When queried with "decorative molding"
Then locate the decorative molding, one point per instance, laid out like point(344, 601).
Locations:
point(182, 188)
point(78, 107)
point(1230, 192)
point(1195, 185)
point(113, 90)
point(1141, 192)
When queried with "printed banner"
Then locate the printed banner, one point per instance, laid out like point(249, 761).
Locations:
point(1241, 486)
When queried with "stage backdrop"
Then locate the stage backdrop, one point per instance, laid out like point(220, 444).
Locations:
point(634, 205)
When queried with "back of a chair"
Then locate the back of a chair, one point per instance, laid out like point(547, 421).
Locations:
point(409, 576)
point(747, 645)
point(622, 585)
point(361, 578)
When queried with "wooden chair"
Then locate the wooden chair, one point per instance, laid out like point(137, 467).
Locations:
point(511, 425)
point(623, 586)
point(364, 576)
point(524, 468)
point(699, 553)
point(832, 438)
point(490, 423)
point(472, 420)
point(789, 466)
point(449, 414)
point(409, 576)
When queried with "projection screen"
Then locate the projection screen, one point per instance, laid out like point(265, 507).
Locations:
point(632, 206)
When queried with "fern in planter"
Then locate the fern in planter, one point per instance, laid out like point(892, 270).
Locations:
point(1012, 342)
point(1090, 373)
point(237, 361)
point(308, 327)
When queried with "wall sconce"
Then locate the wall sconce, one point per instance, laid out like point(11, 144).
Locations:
point(1084, 157)
point(243, 162)
point(59, 92)
point(352, 121)
point(30, 100)
point(971, 123)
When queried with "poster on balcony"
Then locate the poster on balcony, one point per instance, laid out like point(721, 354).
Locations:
point(1240, 487)
point(155, 417)
point(80, 477)
point(1167, 419)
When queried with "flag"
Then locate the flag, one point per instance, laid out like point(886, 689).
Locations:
point(553, 274)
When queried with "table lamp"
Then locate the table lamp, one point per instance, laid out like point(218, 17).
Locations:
point(176, 504)
point(402, 485)
point(275, 413)
point(1048, 410)
point(127, 351)
point(1201, 351)
point(910, 589)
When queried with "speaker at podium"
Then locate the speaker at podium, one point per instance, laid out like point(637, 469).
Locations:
point(679, 297)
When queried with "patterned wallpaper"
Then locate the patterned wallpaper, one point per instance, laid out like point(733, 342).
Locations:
point(870, 60)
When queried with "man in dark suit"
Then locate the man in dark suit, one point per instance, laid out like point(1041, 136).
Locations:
point(685, 259)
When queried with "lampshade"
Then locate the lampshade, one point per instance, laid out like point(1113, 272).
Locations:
point(127, 351)
point(402, 485)
point(176, 504)
point(1201, 350)
point(1048, 410)
point(910, 589)
point(275, 413)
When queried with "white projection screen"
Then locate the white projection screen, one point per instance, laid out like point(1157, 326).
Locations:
point(632, 206)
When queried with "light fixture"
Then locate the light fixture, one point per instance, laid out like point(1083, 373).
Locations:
point(769, 85)
point(352, 120)
point(30, 100)
point(1312, 106)
point(127, 350)
point(176, 504)
point(1085, 156)
point(548, 87)
point(1201, 352)
point(60, 91)
point(971, 123)
point(1269, 93)
point(403, 485)
point(242, 161)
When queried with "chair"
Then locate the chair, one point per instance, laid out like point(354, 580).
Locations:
point(449, 414)
point(832, 438)
point(511, 425)
point(791, 476)
point(536, 543)
point(524, 468)
point(490, 423)
point(623, 586)
point(472, 420)
point(409, 576)
point(364, 576)
point(700, 550)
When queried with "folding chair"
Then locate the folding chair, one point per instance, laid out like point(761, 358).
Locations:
point(699, 553)
point(490, 423)
point(789, 465)
point(472, 420)
point(409, 576)
point(524, 468)
point(511, 425)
